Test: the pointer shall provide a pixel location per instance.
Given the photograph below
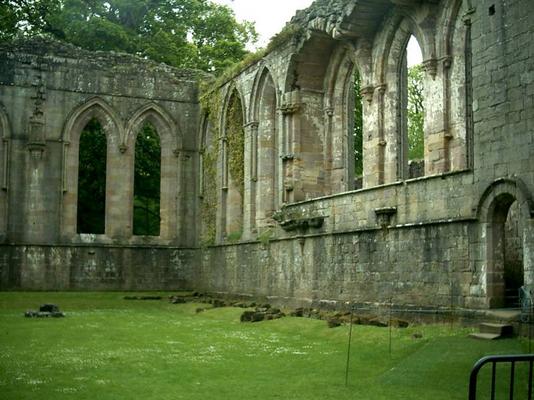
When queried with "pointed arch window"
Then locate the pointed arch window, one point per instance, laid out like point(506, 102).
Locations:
point(234, 171)
point(91, 212)
point(357, 128)
point(412, 109)
point(147, 182)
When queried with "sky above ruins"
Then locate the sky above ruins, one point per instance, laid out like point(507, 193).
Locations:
point(270, 16)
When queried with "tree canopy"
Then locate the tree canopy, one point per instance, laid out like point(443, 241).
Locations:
point(182, 33)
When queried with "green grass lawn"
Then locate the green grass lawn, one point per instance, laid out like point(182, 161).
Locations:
point(110, 348)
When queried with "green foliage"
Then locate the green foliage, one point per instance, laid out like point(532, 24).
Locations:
point(108, 348)
point(265, 236)
point(358, 125)
point(208, 206)
point(211, 103)
point(147, 183)
point(416, 113)
point(92, 179)
point(234, 237)
point(183, 33)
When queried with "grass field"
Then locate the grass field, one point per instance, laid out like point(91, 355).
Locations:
point(110, 348)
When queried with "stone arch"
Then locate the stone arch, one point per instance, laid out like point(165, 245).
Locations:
point(5, 136)
point(232, 195)
point(454, 49)
point(390, 72)
point(505, 201)
point(392, 42)
point(302, 119)
point(339, 120)
point(94, 108)
point(265, 142)
point(171, 182)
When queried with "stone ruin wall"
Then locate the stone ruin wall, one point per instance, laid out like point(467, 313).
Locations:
point(299, 232)
point(49, 91)
point(426, 241)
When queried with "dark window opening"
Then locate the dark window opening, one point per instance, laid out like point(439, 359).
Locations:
point(91, 214)
point(147, 187)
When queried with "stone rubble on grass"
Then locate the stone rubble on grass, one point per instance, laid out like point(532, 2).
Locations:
point(142, 297)
point(45, 311)
point(264, 312)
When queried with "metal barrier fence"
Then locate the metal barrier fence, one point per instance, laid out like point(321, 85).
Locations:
point(494, 360)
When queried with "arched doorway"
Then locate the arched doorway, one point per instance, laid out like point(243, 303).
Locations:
point(505, 252)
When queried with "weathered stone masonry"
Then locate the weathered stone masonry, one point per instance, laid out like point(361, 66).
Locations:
point(297, 231)
point(49, 92)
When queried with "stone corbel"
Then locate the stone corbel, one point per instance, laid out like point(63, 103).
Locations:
point(446, 62)
point(252, 125)
point(329, 111)
point(186, 154)
point(289, 109)
point(381, 89)
point(367, 93)
point(287, 157)
point(385, 215)
point(36, 144)
point(430, 66)
point(290, 103)
point(466, 18)
point(123, 148)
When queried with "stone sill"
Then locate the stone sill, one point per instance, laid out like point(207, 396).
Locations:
point(100, 245)
point(350, 231)
point(381, 187)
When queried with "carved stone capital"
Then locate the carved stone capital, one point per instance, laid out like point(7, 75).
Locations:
point(367, 93)
point(36, 150)
point(381, 89)
point(252, 125)
point(288, 109)
point(466, 18)
point(431, 67)
point(446, 62)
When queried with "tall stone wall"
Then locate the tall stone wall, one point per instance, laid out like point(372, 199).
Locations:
point(434, 240)
point(48, 92)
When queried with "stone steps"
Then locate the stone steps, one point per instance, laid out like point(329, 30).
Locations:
point(492, 331)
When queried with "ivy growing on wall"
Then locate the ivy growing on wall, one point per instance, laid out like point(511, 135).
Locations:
point(211, 104)
point(236, 142)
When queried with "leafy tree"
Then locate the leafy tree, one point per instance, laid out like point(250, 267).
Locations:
point(416, 113)
point(183, 33)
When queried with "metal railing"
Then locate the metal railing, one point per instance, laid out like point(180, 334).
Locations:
point(494, 360)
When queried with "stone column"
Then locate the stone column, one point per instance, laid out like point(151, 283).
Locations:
point(37, 211)
point(437, 111)
point(290, 109)
point(251, 177)
point(528, 254)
